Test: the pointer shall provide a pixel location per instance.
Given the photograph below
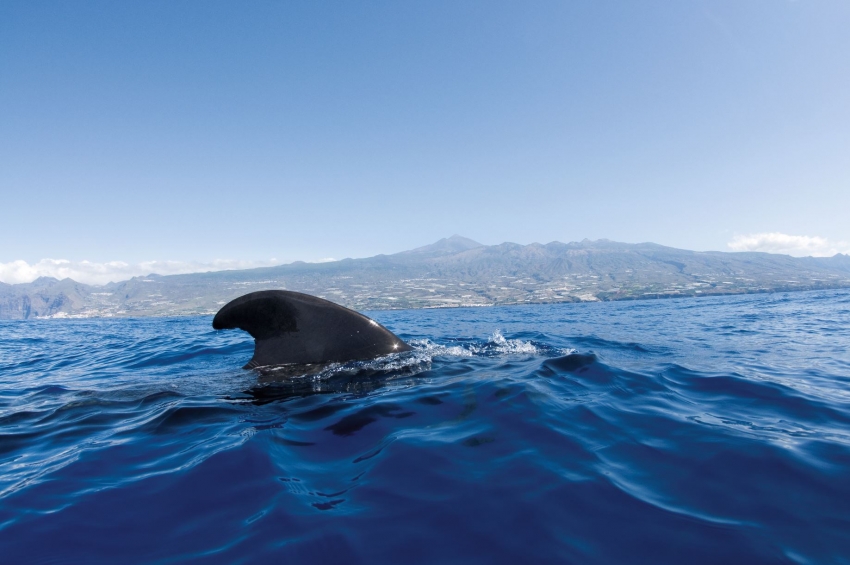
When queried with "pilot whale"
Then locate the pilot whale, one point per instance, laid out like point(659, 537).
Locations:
point(292, 328)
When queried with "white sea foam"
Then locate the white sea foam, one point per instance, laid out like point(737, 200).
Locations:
point(497, 344)
point(407, 363)
point(438, 350)
point(512, 346)
point(415, 361)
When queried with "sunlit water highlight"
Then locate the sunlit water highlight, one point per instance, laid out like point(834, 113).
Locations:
point(680, 431)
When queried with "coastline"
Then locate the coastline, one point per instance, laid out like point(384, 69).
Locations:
point(450, 306)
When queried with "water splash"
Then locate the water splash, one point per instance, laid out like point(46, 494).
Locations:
point(497, 345)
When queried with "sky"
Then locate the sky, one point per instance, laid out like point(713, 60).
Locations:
point(185, 136)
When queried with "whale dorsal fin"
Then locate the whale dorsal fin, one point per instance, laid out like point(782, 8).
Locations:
point(295, 328)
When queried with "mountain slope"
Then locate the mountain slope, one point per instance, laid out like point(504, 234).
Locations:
point(454, 271)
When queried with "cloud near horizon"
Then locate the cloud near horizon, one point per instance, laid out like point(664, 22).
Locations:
point(797, 245)
point(16, 272)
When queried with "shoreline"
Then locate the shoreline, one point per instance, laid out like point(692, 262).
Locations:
point(647, 297)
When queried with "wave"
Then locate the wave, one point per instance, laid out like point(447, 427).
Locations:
point(578, 433)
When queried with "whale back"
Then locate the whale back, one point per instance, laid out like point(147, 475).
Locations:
point(294, 328)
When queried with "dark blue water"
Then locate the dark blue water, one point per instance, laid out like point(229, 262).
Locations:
point(681, 431)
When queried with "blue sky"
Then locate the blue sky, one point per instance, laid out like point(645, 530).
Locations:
point(200, 131)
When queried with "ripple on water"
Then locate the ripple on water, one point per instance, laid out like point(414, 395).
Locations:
point(699, 431)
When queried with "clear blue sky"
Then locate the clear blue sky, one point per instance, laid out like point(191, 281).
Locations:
point(299, 130)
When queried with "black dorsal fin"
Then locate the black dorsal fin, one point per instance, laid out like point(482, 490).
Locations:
point(291, 327)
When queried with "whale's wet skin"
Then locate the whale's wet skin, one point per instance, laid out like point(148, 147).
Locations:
point(295, 329)
point(679, 431)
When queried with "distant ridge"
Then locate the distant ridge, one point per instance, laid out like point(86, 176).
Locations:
point(454, 271)
point(445, 246)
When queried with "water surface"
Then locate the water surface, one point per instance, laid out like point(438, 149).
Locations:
point(677, 431)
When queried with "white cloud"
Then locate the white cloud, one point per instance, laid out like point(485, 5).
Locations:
point(797, 245)
point(101, 273)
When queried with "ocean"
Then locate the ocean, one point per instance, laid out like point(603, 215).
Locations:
point(711, 430)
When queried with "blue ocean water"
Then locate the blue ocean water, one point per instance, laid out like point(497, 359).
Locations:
point(711, 430)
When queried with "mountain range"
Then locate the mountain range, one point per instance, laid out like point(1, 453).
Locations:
point(452, 272)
